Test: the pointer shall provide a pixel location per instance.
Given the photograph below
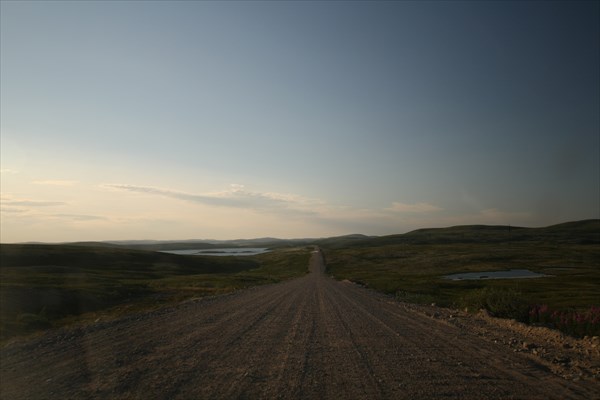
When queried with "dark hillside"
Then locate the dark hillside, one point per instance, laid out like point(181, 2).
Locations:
point(577, 232)
point(341, 241)
point(582, 232)
point(110, 258)
point(40, 284)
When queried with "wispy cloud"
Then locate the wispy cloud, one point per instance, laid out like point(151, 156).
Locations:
point(8, 171)
point(413, 208)
point(13, 210)
point(79, 217)
point(10, 206)
point(32, 203)
point(308, 212)
point(237, 196)
point(55, 182)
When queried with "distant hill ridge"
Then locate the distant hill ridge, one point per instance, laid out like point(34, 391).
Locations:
point(583, 232)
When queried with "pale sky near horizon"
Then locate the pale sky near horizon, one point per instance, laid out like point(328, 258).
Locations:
point(180, 120)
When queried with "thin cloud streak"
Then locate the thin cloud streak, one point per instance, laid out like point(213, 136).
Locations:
point(394, 219)
point(236, 197)
point(33, 203)
point(414, 208)
point(13, 210)
point(79, 217)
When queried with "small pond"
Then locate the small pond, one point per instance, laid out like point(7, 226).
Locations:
point(510, 274)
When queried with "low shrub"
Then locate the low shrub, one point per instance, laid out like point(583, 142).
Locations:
point(419, 298)
point(30, 322)
point(501, 303)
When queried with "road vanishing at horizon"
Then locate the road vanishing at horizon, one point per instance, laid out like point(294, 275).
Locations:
point(308, 338)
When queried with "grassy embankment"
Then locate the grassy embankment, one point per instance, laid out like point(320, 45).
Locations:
point(412, 266)
point(43, 286)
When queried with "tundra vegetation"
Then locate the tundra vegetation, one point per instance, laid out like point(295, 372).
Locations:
point(412, 267)
point(44, 286)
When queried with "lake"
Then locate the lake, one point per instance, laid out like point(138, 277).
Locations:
point(510, 274)
point(234, 251)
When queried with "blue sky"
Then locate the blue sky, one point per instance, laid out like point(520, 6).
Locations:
point(175, 120)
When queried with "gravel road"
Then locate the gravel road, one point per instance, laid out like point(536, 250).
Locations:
point(309, 338)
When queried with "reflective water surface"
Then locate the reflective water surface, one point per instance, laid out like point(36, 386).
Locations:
point(235, 251)
point(510, 274)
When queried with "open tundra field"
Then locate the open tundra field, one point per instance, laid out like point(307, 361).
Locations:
point(412, 267)
point(44, 286)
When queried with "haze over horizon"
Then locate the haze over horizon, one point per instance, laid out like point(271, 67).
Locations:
point(227, 120)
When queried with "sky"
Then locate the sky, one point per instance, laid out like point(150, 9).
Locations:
point(195, 120)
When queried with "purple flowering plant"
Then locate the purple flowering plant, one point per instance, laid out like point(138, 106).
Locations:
point(572, 322)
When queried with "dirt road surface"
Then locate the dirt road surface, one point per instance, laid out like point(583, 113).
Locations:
point(309, 338)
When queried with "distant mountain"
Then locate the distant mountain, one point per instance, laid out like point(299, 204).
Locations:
point(91, 244)
point(267, 242)
point(345, 240)
point(160, 245)
point(165, 245)
point(582, 232)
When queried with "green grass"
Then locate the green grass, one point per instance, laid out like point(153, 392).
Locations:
point(44, 286)
point(414, 272)
point(271, 267)
point(412, 267)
